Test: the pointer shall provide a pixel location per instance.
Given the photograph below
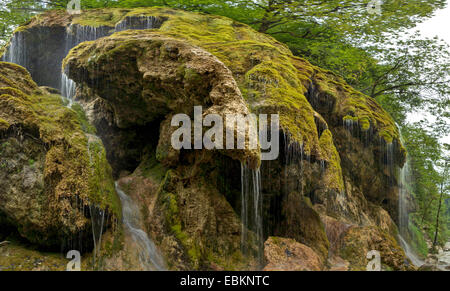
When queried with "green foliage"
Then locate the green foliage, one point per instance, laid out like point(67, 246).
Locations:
point(418, 240)
point(429, 170)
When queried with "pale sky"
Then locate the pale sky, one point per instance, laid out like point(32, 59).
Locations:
point(439, 26)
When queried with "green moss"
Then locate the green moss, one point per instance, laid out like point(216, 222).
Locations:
point(351, 104)
point(364, 123)
point(334, 178)
point(14, 92)
point(418, 241)
point(191, 75)
point(281, 91)
point(99, 17)
point(81, 115)
point(18, 257)
point(4, 125)
point(16, 77)
point(151, 168)
point(102, 189)
point(22, 103)
point(176, 228)
point(387, 136)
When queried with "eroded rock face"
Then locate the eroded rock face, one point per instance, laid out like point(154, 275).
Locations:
point(162, 76)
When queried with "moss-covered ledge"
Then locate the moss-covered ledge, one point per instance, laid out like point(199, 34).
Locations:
point(73, 177)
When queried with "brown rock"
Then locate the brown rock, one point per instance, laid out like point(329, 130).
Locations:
point(359, 241)
point(283, 254)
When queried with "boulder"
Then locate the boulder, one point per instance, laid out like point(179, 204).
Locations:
point(49, 178)
point(284, 254)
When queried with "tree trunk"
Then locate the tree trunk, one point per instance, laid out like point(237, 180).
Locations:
point(439, 209)
point(265, 25)
point(437, 218)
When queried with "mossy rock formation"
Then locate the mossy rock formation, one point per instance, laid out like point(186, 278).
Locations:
point(48, 179)
point(336, 144)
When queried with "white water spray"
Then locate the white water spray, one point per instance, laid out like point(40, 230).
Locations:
point(68, 88)
point(149, 256)
point(16, 52)
point(403, 214)
point(251, 211)
point(139, 22)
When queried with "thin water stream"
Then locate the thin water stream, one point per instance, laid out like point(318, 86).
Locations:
point(251, 212)
point(149, 256)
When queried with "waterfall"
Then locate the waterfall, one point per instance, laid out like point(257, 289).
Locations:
point(293, 154)
point(404, 183)
point(149, 256)
point(410, 254)
point(98, 221)
point(76, 34)
point(138, 22)
point(68, 88)
point(403, 216)
point(97, 214)
point(16, 52)
point(404, 191)
point(251, 211)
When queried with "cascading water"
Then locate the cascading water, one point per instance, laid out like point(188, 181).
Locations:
point(16, 53)
point(76, 34)
point(293, 154)
point(403, 214)
point(68, 88)
point(139, 22)
point(149, 256)
point(410, 253)
point(98, 222)
point(251, 211)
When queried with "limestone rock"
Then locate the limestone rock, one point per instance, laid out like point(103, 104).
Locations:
point(45, 170)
